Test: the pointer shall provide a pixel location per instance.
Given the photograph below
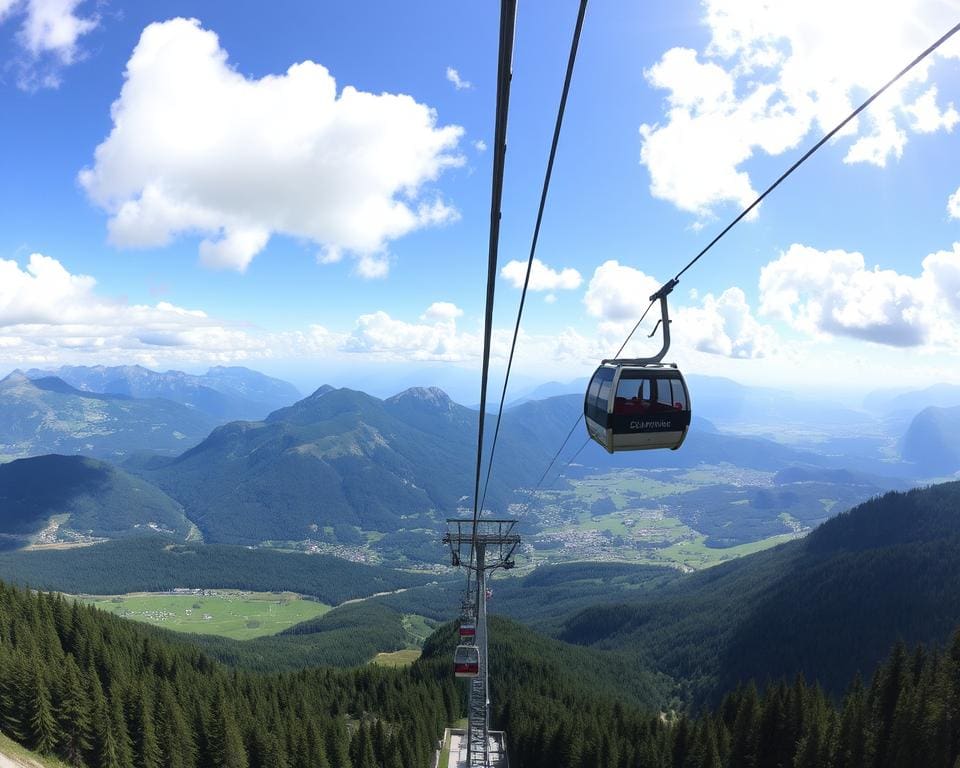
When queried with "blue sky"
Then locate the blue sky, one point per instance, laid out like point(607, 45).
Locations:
point(238, 210)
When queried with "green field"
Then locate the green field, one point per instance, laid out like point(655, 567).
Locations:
point(238, 615)
point(693, 554)
point(403, 658)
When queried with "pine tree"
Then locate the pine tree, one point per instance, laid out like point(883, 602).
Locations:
point(74, 716)
point(338, 745)
point(43, 731)
point(743, 748)
point(146, 748)
point(173, 734)
point(118, 726)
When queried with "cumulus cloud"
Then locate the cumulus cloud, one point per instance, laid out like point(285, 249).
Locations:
point(618, 293)
point(434, 338)
point(542, 277)
point(953, 205)
point(442, 311)
point(49, 315)
point(458, 82)
point(480, 145)
point(833, 292)
point(197, 148)
point(48, 38)
point(926, 115)
point(774, 72)
point(942, 271)
point(726, 326)
point(617, 296)
point(46, 309)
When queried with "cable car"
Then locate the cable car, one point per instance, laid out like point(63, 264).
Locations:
point(631, 407)
point(466, 661)
point(468, 630)
point(639, 404)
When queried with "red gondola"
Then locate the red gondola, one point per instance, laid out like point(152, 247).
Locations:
point(466, 661)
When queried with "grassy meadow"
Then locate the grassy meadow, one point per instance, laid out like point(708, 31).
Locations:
point(233, 614)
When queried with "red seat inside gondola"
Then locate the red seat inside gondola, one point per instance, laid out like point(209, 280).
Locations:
point(628, 406)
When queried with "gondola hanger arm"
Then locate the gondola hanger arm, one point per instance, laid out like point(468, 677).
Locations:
point(661, 296)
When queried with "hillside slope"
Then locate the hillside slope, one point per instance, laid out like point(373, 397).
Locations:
point(339, 459)
point(933, 440)
point(90, 498)
point(826, 606)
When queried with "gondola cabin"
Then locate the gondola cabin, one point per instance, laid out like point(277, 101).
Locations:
point(468, 631)
point(466, 661)
point(637, 407)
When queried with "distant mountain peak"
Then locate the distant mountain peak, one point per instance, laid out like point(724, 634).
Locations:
point(15, 378)
point(18, 380)
point(321, 391)
point(433, 396)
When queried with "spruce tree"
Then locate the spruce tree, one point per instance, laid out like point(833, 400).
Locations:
point(42, 728)
point(74, 716)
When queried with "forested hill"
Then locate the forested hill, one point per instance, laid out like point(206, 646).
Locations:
point(100, 691)
point(339, 458)
point(88, 497)
point(555, 716)
point(828, 606)
point(156, 564)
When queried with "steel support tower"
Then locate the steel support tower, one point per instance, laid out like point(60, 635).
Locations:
point(491, 545)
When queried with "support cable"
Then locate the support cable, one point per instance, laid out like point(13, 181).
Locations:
point(574, 46)
point(508, 18)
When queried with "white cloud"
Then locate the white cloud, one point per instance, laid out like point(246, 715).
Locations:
point(618, 293)
point(725, 326)
point(942, 270)
point(480, 145)
point(48, 37)
point(832, 292)
point(435, 338)
point(47, 310)
point(927, 115)
point(372, 265)
point(458, 82)
point(442, 311)
point(771, 74)
point(953, 205)
point(542, 277)
point(196, 148)
point(550, 298)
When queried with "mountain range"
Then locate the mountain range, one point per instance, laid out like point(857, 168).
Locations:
point(340, 460)
point(341, 464)
point(47, 415)
point(222, 393)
